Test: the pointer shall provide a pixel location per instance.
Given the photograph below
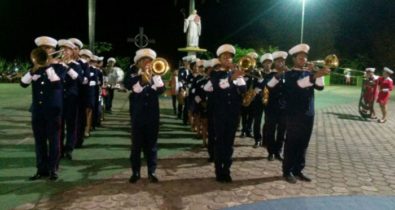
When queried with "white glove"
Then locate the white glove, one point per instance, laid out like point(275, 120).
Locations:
point(305, 82)
point(239, 81)
point(208, 87)
point(198, 99)
point(224, 83)
point(385, 90)
point(257, 90)
point(92, 83)
point(137, 88)
point(158, 81)
point(85, 81)
point(36, 77)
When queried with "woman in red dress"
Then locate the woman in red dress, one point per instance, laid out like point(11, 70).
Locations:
point(385, 86)
point(370, 93)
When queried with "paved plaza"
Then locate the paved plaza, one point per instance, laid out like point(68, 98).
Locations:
point(347, 156)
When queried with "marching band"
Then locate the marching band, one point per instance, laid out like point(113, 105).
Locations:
point(71, 91)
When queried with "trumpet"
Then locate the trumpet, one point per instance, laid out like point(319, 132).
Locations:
point(330, 61)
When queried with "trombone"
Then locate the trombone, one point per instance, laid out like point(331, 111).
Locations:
point(330, 61)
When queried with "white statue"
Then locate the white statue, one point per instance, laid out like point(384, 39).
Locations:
point(193, 27)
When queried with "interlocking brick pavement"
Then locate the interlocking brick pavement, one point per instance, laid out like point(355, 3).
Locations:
point(346, 156)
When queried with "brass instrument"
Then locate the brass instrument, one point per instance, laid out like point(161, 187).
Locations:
point(265, 96)
point(159, 66)
point(330, 61)
point(39, 58)
point(246, 63)
point(248, 97)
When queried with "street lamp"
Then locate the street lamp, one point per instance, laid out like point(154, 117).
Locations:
point(302, 27)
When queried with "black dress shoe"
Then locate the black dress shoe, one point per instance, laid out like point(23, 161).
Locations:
point(302, 177)
point(278, 157)
point(53, 176)
point(219, 178)
point(227, 178)
point(134, 178)
point(290, 179)
point(270, 157)
point(152, 178)
point(38, 176)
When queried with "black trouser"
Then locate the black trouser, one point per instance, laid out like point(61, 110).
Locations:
point(69, 121)
point(46, 128)
point(257, 118)
point(211, 135)
point(299, 129)
point(185, 112)
point(144, 137)
point(225, 130)
point(174, 103)
point(276, 125)
point(81, 116)
point(108, 99)
point(246, 119)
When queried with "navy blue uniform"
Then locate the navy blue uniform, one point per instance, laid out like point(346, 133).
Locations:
point(275, 117)
point(46, 113)
point(70, 100)
point(82, 102)
point(300, 119)
point(144, 111)
point(258, 107)
point(183, 74)
point(226, 103)
point(247, 112)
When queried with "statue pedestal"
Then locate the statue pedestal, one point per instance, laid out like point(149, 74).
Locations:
point(192, 50)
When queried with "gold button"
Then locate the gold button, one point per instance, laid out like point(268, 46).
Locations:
point(41, 92)
point(42, 83)
point(40, 102)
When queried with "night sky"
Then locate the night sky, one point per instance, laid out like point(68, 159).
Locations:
point(349, 28)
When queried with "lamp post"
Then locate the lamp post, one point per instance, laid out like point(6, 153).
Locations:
point(302, 26)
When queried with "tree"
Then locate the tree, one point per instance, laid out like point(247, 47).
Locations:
point(102, 47)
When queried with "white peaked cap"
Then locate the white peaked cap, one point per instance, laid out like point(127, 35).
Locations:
point(101, 58)
point(77, 42)
point(66, 43)
point(111, 59)
point(206, 63)
point(185, 58)
point(226, 48)
point(45, 40)
point(370, 69)
point(214, 62)
point(86, 52)
point(299, 48)
point(386, 69)
point(266, 56)
point(144, 52)
point(253, 55)
point(280, 54)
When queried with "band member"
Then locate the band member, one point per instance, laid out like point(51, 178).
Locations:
point(226, 86)
point(71, 83)
point(247, 110)
point(259, 87)
point(299, 88)
point(214, 66)
point(275, 109)
point(97, 111)
point(82, 56)
point(173, 83)
point(46, 108)
point(183, 74)
point(115, 76)
point(192, 78)
point(385, 86)
point(144, 103)
point(200, 103)
point(371, 90)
